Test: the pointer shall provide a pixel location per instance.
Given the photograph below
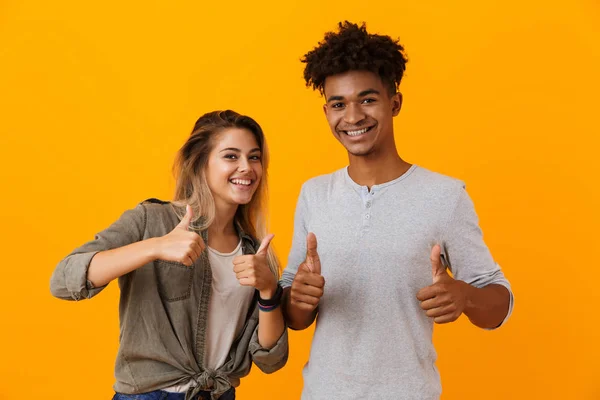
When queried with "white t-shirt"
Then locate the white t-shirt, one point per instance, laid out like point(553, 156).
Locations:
point(227, 308)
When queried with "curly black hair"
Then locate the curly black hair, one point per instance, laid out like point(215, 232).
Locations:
point(351, 49)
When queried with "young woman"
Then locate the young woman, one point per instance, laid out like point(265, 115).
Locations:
point(199, 293)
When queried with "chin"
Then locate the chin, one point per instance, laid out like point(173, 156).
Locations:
point(241, 200)
point(359, 151)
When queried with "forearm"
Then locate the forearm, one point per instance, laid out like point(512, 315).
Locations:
point(296, 317)
point(270, 323)
point(270, 327)
point(488, 306)
point(111, 264)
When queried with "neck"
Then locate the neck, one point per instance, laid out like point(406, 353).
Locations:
point(223, 223)
point(377, 167)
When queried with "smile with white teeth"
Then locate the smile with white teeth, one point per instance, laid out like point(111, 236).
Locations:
point(357, 132)
point(245, 182)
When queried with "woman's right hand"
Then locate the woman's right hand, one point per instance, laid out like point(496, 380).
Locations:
point(181, 245)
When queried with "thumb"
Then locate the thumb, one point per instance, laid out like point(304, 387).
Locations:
point(187, 218)
point(312, 257)
point(437, 268)
point(304, 268)
point(264, 245)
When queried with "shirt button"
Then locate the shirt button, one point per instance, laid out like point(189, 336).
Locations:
point(368, 204)
point(367, 216)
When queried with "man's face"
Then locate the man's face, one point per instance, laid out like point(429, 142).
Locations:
point(360, 112)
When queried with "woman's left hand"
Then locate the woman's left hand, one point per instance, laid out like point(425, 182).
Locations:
point(253, 270)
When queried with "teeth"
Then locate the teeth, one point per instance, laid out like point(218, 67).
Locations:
point(356, 133)
point(245, 182)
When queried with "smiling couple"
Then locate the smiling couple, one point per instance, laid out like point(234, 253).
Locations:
point(373, 245)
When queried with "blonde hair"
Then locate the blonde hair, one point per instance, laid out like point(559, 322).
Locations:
point(192, 188)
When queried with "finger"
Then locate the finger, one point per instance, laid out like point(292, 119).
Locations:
point(242, 274)
point(312, 280)
point(264, 245)
point(302, 306)
point(305, 298)
point(308, 290)
point(438, 301)
point(237, 268)
point(187, 218)
point(192, 253)
point(444, 319)
point(241, 259)
point(194, 249)
point(441, 311)
point(197, 250)
point(187, 261)
point(312, 256)
point(437, 268)
point(429, 292)
point(247, 281)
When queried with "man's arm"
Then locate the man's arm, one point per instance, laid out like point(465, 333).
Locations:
point(301, 300)
point(477, 286)
point(447, 298)
point(487, 307)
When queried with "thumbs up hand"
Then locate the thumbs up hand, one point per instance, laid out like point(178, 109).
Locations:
point(308, 284)
point(446, 298)
point(253, 270)
point(180, 245)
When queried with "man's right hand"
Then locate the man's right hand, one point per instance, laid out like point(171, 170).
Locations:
point(181, 245)
point(308, 284)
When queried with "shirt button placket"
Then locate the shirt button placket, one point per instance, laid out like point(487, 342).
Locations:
point(368, 204)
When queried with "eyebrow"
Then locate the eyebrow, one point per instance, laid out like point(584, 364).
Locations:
point(368, 92)
point(238, 150)
point(361, 94)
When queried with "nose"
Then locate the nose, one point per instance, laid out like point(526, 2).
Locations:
point(354, 114)
point(243, 165)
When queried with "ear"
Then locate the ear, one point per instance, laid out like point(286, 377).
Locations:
point(396, 103)
point(325, 109)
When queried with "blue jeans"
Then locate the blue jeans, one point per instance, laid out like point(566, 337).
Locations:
point(162, 395)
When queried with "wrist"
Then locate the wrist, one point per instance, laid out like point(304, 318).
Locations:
point(468, 292)
point(273, 300)
point(269, 292)
point(270, 289)
point(154, 248)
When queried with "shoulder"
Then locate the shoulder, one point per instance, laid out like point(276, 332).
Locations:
point(157, 206)
point(323, 183)
point(436, 183)
point(161, 216)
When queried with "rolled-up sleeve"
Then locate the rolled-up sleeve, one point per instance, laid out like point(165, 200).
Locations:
point(269, 360)
point(469, 257)
point(69, 279)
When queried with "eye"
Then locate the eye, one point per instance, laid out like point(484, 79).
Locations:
point(337, 105)
point(368, 101)
point(255, 158)
point(230, 156)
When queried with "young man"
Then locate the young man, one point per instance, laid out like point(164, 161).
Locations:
point(386, 232)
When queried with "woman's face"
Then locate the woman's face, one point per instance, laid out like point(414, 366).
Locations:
point(234, 167)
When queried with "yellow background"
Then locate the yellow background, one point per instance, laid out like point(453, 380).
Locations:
point(96, 97)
